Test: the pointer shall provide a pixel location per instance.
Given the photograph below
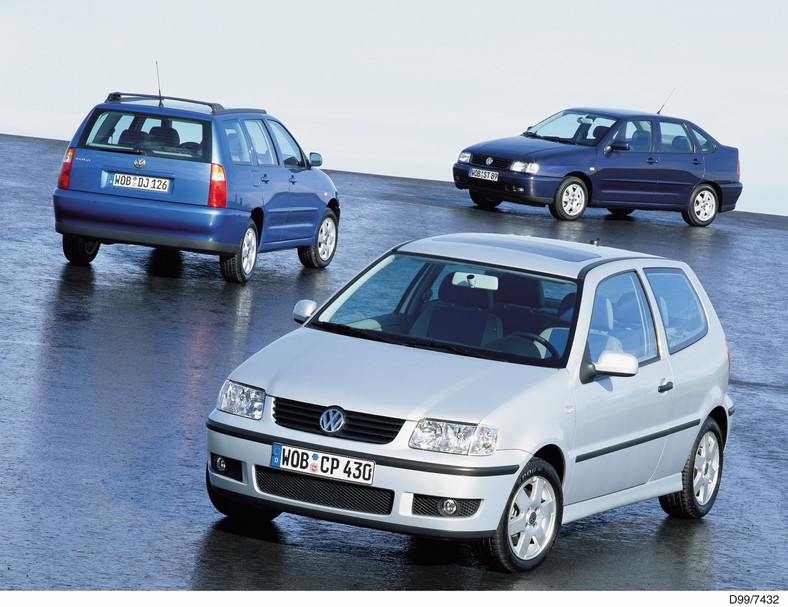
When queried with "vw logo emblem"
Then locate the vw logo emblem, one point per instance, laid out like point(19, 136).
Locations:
point(332, 420)
point(489, 160)
point(139, 162)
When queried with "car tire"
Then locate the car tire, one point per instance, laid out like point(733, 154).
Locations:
point(485, 202)
point(702, 208)
point(238, 268)
point(529, 524)
point(700, 478)
point(80, 251)
point(320, 253)
point(571, 199)
point(619, 212)
point(237, 511)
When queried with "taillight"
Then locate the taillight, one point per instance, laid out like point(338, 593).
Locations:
point(217, 191)
point(738, 169)
point(65, 170)
point(728, 348)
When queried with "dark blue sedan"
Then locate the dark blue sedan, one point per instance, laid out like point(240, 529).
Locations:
point(616, 159)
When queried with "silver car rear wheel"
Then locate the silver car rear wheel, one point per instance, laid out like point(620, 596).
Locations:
point(700, 478)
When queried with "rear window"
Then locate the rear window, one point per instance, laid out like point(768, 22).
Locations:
point(141, 133)
point(679, 306)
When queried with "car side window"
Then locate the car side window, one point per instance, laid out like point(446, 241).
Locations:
point(621, 319)
point(639, 134)
point(291, 153)
point(260, 142)
point(675, 138)
point(679, 307)
point(236, 142)
point(703, 141)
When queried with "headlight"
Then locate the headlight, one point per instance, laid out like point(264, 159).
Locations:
point(451, 437)
point(518, 166)
point(464, 158)
point(241, 400)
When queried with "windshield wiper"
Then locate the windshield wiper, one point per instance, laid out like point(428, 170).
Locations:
point(356, 332)
point(531, 134)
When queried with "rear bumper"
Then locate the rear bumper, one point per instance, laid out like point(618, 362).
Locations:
point(730, 195)
point(111, 219)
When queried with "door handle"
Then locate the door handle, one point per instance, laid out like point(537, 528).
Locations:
point(665, 386)
point(696, 161)
point(652, 160)
point(264, 178)
point(292, 179)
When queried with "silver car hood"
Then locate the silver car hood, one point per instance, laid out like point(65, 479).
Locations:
point(322, 368)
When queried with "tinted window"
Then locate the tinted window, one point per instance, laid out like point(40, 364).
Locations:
point(139, 133)
point(621, 319)
point(703, 141)
point(578, 127)
point(675, 138)
point(639, 134)
point(236, 142)
point(460, 307)
point(291, 153)
point(679, 307)
point(260, 142)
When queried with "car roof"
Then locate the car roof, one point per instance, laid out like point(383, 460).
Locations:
point(173, 105)
point(544, 255)
point(622, 113)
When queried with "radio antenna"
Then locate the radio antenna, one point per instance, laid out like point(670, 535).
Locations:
point(158, 81)
point(659, 111)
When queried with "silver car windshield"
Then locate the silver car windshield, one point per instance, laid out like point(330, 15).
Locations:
point(459, 307)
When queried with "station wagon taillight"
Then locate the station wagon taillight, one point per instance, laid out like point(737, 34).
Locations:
point(65, 170)
point(217, 190)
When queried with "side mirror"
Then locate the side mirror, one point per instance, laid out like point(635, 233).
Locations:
point(618, 146)
point(619, 364)
point(315, 159)
point(303, 310)
point(610, 362)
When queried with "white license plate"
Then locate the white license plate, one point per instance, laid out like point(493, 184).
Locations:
point(322, 464)
point(481, 174)
point(140, 182)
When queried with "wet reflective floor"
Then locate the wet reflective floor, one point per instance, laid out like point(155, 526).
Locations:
point(108, 374)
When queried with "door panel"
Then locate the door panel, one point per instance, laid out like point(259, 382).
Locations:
point(628, 176)
point(272, 179)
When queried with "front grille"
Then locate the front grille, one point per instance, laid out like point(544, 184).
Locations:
point(429, 505)
point(497, 163)
point(361, 427)
point(323, 492)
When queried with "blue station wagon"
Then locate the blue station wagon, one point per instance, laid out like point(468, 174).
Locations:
point(174, 173)
point(616, 159)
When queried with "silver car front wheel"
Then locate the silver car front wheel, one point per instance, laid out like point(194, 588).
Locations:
point(529, 525)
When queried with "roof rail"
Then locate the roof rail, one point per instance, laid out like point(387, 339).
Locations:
point(117, 97)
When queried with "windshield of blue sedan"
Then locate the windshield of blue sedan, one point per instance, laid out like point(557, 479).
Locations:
point(458, 307)
point(579, 128)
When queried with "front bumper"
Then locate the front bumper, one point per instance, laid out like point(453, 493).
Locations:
point(155, 223)
point(510, 186)
point(408, 485)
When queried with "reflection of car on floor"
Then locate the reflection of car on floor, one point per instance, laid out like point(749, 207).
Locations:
point(191, 175)
point(616, 159)
point(483, 388)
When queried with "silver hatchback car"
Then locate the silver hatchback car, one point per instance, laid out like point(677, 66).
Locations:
point(484, 388)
